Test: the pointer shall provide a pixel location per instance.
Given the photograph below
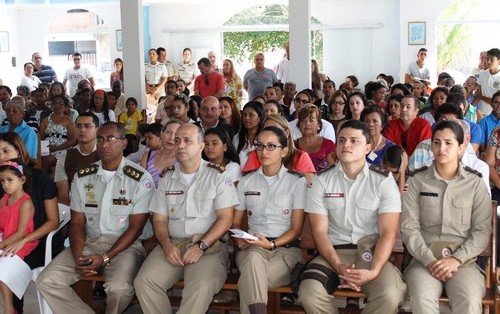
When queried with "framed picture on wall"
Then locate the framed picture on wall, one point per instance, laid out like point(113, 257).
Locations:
point(119, 40)
point(416, 33)
point(4, 41)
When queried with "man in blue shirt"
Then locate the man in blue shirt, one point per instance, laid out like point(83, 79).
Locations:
point(490, 122)
point(15, 111)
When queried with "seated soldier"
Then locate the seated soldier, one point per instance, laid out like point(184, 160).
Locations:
point(109, 208)
point(354, 212)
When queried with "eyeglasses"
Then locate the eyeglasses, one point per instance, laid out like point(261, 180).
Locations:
point(268, 147)
point(300, 100)
point(206, 80)
point(339, 103)
point(109, 139)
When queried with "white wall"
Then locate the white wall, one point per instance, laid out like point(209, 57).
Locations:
point(362, 51)
point(195, 25)
point(28, 25)
point(428, 11)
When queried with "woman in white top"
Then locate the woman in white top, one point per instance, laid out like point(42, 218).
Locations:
point(29, 80)
point(274, 199)
point(99, 106)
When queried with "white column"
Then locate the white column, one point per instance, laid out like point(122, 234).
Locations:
point(133, 50)
point(300, 42)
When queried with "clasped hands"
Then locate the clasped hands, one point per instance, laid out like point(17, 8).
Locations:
point(444, 268)
point(353, 278)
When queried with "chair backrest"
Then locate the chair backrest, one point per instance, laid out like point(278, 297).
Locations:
point(64, 217)
point(64, 213)
point(490, 251)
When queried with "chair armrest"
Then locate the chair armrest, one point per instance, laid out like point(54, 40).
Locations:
point(65, 218)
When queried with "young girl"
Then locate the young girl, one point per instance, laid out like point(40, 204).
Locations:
point(220, 150)
point(181, 108)
point(16, 221)
point(130, 120)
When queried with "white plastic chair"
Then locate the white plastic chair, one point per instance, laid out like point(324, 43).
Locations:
point(64, 217)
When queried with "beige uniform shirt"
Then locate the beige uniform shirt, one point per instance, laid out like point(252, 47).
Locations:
point(457, 211)
point(352, 206)
point(270, 204)
point(155, 72)
point(192, 209)
point(107, 206)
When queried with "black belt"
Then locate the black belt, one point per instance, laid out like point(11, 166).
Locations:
point(295, 243)
point(349, 246)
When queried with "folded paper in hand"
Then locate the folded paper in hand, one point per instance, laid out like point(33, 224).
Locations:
point(242, 234)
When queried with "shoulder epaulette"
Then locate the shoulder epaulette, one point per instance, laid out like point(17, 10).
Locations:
point(474, 171)
point(132, 172)
point(87, 170)
point(217, 167)
point(378, 170)
point(249, 172)
point(298, 173)
point(326, 169)
point(167, 169)
point(412, 173)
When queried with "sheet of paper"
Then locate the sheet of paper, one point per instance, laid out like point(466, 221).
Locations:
point(44, 148)
point(242, 234)
point(15, 273)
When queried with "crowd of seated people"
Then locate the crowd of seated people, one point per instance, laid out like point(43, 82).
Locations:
point(355, 160)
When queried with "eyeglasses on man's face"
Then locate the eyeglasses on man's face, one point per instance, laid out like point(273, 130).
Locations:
point(300, 100)
point(108, 139)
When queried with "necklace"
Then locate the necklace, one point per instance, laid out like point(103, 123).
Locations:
point(378, 144)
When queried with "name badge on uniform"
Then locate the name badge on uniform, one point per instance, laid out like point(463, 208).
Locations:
point(333, 195)
point(431, 194)
point(174, 192)
point(121, 201)
point(252, 193)
point(90, 205)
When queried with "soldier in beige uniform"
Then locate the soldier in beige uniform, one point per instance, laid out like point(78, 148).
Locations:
point(109, 207)
point(446, 224)
point(347, 205)
point(193, 208)
point(274, 199)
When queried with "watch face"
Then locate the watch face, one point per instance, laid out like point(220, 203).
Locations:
point(203, 246)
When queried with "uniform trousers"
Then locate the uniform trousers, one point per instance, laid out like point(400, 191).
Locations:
point(202, 280)
point(56, 279)
point(385, 292)
point(465, 289)
point(261, 270)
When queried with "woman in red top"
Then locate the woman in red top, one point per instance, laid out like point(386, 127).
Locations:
point(320, 149)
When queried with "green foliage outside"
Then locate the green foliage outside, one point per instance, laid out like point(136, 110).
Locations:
point(241, 46)
point(453, 39)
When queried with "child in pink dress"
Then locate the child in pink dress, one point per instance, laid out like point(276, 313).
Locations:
point(16, 220)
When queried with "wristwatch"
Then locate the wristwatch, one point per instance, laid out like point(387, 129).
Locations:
point(202, 245)
point(273, 246)
point(105, 260)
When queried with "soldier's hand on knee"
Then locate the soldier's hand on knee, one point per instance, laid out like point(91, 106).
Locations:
point(173, 255)
point(88, 265)
point(192, 255)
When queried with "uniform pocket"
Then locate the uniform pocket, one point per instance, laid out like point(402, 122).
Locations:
point(430, 210)
point(366, 211)
point(462, 211)
point(120, 215)
point(335, 207)
point(92, 215)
